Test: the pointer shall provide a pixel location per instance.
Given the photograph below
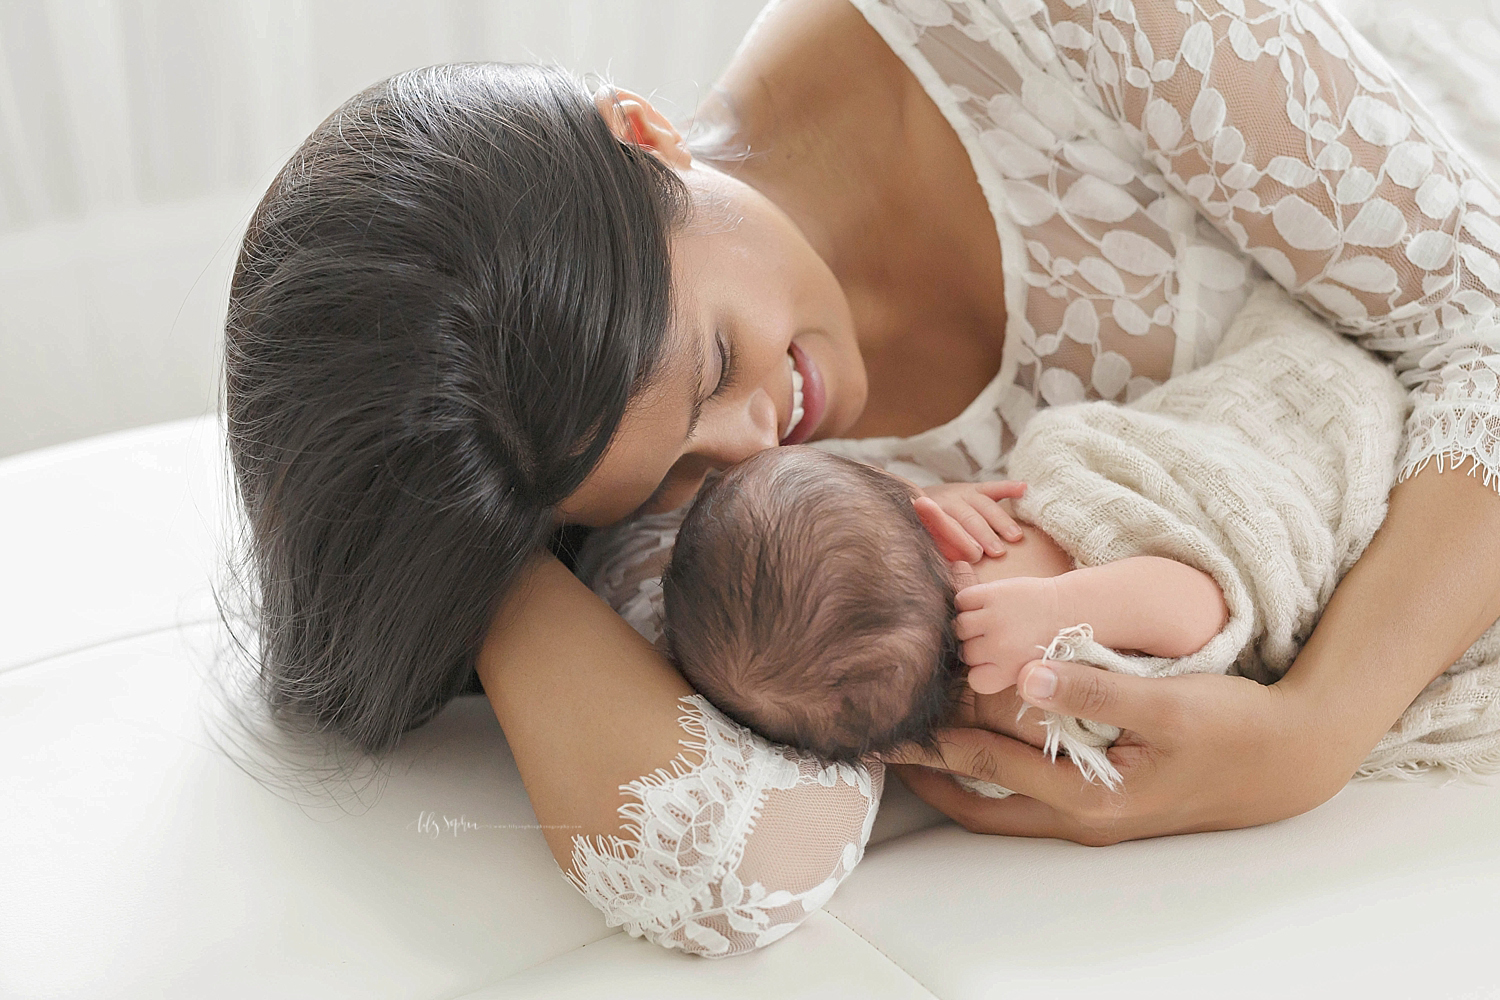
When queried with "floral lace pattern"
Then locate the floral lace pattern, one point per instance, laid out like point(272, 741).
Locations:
point(1135, 167)
point(682, 877)
point(1138, 172)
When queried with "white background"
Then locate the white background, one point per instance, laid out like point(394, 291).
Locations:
point(137, 135)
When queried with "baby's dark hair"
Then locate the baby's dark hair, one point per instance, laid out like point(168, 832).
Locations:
point(807, 602)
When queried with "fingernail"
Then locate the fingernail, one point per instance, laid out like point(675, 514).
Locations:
point(1014, 534)
point(1040, 685)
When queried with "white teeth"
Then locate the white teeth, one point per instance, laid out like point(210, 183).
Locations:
point(797, 411)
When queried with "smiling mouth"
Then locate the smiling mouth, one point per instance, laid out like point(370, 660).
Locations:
point(808, 397)
point(798, 411)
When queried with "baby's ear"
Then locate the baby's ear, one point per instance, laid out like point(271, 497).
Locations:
point(962, 575)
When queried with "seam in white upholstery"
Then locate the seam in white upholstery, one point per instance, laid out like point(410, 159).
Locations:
point(497, 984)
point(904, 970)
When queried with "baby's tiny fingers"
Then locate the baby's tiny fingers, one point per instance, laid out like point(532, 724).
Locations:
point(969, 625)
point(978, 651)
point(952, 540)
point(1002, 489)
point(999, 519)
point(979, 529)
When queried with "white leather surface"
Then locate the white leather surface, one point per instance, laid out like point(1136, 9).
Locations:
point(137, 861)
point(110, 536)
point(825, 960)
point(1392, 889)
point(142, 863)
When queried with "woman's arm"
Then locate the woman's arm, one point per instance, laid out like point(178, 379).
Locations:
point(1289, 135)
point(725, 844)
point(586, 704)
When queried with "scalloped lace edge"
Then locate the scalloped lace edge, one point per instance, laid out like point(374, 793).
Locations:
point(639, 882)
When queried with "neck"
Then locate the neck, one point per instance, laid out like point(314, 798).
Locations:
point(809, 115)
point(830, 126)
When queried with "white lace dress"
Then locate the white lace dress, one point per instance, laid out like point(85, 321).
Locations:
point(1140, 163)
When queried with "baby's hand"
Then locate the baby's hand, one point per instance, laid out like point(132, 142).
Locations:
point(1005, 625)
point(965, 520)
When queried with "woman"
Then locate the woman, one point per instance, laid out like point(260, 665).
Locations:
point(475, 309)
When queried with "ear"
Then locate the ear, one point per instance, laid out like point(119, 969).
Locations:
point(632, 118)
point(962, 575)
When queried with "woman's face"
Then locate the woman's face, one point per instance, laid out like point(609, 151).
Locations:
point(760, 351)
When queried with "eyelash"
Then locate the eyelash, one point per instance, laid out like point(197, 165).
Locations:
point(726, 369)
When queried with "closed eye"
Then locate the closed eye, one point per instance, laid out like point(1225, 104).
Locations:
point(728, 369)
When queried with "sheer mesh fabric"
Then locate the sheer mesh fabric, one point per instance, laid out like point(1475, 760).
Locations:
point(720, 857)
point(1140, 163)
point(1138, 160)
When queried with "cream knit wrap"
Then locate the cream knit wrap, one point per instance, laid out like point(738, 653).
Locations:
point(1269, 469)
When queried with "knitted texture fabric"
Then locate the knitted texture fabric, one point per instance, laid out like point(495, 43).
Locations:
point(1268, 469)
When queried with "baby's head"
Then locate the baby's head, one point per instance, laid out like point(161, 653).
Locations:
point(805, 600)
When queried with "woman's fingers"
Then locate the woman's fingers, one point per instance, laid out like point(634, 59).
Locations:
point(1005, 713)
point(1087, 692)
point(953, 541)
point(1017, 816)
point(979, 753)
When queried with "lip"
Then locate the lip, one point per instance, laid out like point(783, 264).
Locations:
point(814, 398)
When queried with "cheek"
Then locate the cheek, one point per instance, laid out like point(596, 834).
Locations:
point(636, 463)
point(676, 490)
point(762, 314)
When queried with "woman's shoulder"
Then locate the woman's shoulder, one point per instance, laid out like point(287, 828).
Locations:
point(804, 65)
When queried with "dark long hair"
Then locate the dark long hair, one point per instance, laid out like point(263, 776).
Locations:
point(442, 308)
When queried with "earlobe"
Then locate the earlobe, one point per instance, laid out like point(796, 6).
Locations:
point(962, 575)
point(632, 118)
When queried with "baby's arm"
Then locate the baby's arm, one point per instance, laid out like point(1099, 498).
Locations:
point(1152, 605)
point(1147, 604)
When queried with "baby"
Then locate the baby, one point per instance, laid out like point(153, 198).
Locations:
point(812, 599)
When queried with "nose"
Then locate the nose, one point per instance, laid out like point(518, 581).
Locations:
point(742, 432)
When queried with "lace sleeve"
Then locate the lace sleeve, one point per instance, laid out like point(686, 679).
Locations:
point(1294, 137)
point(734, 844)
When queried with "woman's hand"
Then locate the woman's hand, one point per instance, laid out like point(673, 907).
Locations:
point(1199, 752)
point(966, 519)
point(1205, 752)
